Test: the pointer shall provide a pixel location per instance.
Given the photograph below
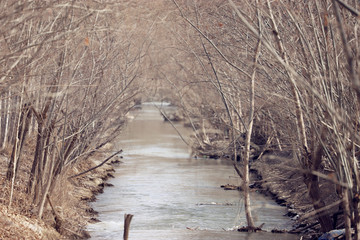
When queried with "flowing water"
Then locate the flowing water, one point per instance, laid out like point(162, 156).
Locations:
point(173, 196)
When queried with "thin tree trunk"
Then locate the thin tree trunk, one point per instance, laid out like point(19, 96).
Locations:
point(347, 214)
point(275, 132)
point(298, 110)
point(18, 134)
point(41, 178)
point(13, 119)
point(7, 116)
point(356, 218)
point(312, 182)
point(37, 154)
point(318, 203)
point(50, 179)
point(246, 179)
point(13, 173)
point(25, 131)
point(22, 131)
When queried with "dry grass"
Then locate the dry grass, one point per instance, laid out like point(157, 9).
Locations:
point(70, 202)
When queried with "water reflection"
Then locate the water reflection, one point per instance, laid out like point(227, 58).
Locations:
point(173, 196)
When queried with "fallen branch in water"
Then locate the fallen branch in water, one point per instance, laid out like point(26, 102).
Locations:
point(93, 168)
point(172, 124)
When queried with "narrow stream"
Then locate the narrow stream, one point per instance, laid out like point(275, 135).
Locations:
point(173, 196)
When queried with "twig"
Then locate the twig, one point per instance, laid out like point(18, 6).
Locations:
point(348, 7)
point(58, 220)
point(353, 76)
point(93, 168)
point(319, 211)
point(210, 41)
point(238, 171)
point(304, 228)
point(172, 124)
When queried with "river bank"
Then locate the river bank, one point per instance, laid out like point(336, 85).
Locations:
point(278, 175)
point(287, 189)
point(274, 173)
point(173, 195)
point(69, 212)
point(72, 211)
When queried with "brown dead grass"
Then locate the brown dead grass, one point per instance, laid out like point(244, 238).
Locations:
point(70, 199)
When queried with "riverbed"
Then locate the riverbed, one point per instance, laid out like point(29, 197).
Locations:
point(174, 196)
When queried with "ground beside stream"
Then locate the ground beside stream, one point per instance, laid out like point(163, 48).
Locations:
point(274, 175)
point(70, 201)
point(279, 176)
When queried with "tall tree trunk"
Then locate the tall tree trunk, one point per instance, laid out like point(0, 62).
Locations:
point(24, 121)
point(37, 154)
point(13, 115)
point(246, 179)
point(15, 153)
point(312, 182)
point(347, 214)
point(7, 104)
point(43, 158)
point(50, 178)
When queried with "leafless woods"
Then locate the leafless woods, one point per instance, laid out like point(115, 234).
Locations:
point(68, 76)
point(284, 74)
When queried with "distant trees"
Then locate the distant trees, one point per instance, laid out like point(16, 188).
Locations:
point(306, 88)
point(64, 80)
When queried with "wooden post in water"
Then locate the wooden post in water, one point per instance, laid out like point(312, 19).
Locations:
point(127, 220)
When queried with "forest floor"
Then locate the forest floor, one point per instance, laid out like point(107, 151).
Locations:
point(71, 211)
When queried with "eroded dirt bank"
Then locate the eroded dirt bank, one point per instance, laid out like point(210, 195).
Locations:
point(69, 211)
point(280, 176)
point(275, 173)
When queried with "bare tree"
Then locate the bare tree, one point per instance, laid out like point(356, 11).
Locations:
point(63, 78)
point(307, 80)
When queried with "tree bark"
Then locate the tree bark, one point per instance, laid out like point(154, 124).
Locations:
point(312, 183)
point(325, 221)
point(37, 154)
point(25, 118)
point(6, 119)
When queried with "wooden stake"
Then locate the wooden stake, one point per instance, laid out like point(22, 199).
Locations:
point(127, 220)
